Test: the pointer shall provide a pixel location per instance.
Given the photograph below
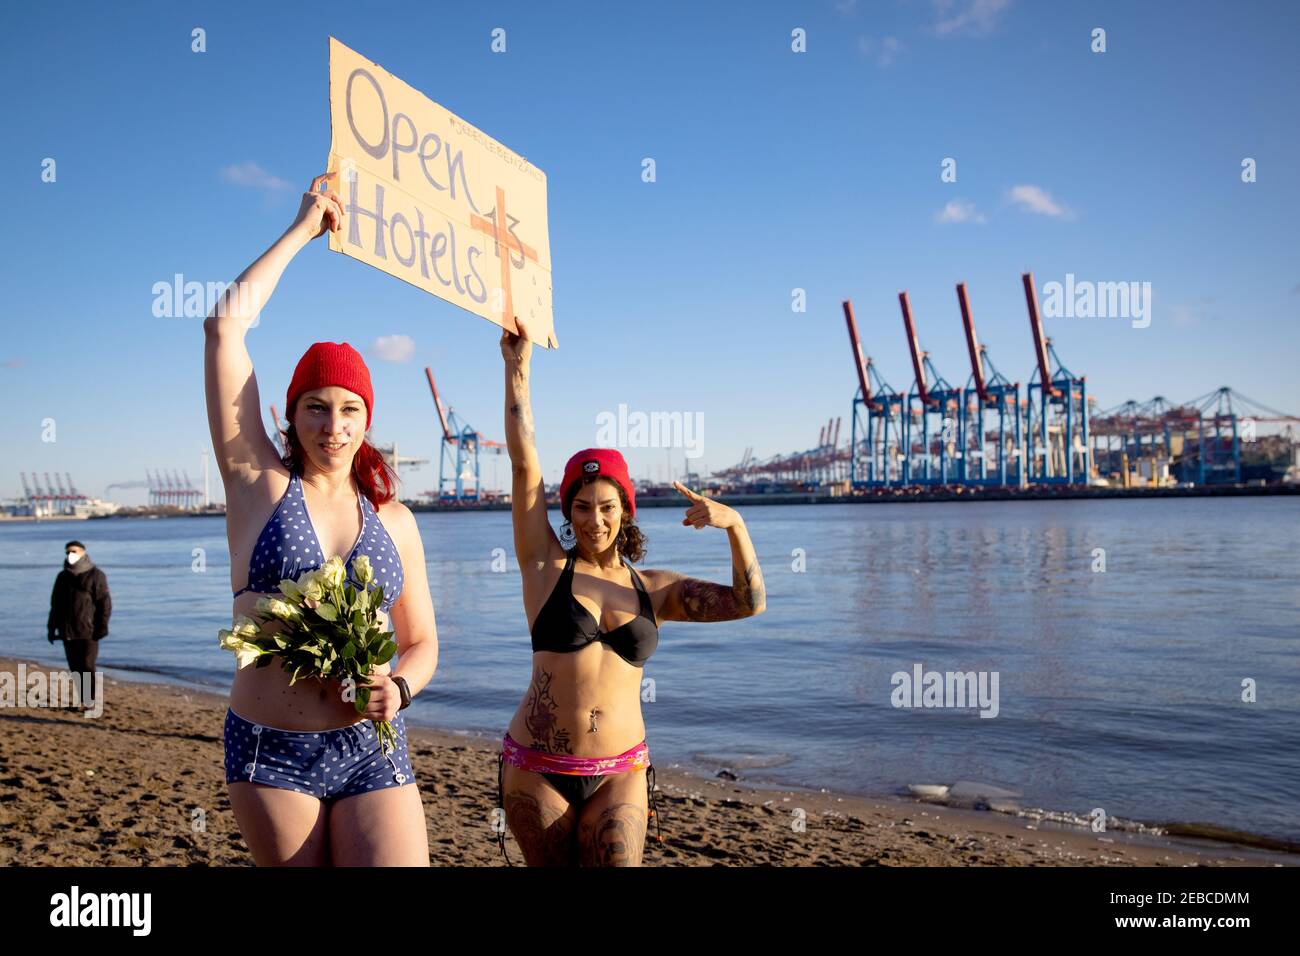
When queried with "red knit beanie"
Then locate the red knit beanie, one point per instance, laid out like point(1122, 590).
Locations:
point(605, 462)
point(331, 363)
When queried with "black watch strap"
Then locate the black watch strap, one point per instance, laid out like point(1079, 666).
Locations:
point(404, 690)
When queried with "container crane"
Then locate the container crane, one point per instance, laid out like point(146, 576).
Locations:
point(876, 439)
point(77, 497)
point(60, 505)
point(458, 468)
point(1224, 427)
point(932, 411)
point(1058, 446)
point(992, 457)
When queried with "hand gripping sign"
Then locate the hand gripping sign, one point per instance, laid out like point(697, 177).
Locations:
point(432, 200)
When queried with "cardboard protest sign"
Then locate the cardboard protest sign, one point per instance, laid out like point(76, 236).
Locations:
point(432, 200)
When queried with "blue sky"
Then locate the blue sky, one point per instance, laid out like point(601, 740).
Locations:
point(775, 170)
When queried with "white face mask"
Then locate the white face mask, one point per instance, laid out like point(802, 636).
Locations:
point(74, 557)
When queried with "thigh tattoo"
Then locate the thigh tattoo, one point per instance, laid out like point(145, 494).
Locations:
point(544, 842)
point(615, 838)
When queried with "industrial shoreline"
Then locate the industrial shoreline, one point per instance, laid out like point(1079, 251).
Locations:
point(872, 496)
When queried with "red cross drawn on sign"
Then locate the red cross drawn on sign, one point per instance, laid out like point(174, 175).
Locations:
point(495, 228)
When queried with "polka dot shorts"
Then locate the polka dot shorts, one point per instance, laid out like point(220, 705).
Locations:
point(328, 764)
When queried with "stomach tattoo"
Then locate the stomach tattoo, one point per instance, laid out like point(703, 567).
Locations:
point(540, 717)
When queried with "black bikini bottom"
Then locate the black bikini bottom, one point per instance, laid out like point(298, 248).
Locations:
point(573, 788)
point(576, 789)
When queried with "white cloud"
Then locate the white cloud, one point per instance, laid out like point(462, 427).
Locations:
point(959, 211)
point(884, 51)
point(1038, 200)
point(846, 6)
point(253, 176)
point(968, 17)
point(394, 348)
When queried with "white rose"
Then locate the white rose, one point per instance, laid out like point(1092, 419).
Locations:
point(332, 574)
point(311, 588)
point(283, 610)
point(245, 653)
point(362, 569)
point(245, 629)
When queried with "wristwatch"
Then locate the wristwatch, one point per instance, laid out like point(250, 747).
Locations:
point(404, 690)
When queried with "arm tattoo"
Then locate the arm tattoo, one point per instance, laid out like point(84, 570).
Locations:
point(524, 414)
point(541, 720)
point(521, 409)
point(705, 601)
point(748, 587)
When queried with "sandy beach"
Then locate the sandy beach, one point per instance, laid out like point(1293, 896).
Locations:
point(142, 785)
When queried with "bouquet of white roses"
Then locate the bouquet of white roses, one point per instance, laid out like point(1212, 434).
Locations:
point(324, 629)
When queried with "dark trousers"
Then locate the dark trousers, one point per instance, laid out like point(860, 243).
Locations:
point(81, 660)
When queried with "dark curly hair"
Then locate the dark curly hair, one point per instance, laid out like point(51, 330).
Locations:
point(630, 541)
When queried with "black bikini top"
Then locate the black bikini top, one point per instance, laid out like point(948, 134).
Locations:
point(564, 625)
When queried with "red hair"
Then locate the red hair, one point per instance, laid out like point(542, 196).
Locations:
point(375, 477)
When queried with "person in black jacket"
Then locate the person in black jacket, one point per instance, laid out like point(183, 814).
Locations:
point(79, 610)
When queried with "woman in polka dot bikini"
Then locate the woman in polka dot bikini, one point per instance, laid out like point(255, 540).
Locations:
point(309, 781)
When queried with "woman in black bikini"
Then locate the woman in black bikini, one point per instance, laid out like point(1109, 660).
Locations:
point(309, 782)
point(574, 772)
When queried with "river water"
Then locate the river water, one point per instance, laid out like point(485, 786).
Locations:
point(1119, 689)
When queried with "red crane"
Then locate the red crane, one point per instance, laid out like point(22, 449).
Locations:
point(442, 415)
point(994, 392)
point(1040, 341)
point(972, 343)
point(918, 357)
point(863, 379)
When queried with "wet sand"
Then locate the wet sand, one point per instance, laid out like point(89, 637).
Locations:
point(143, 785)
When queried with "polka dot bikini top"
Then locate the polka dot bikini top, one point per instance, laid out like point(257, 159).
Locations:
point(288, 547)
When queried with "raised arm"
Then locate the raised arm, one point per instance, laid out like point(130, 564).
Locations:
point(241, 444)
point(691, 599)
point(535, 540)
